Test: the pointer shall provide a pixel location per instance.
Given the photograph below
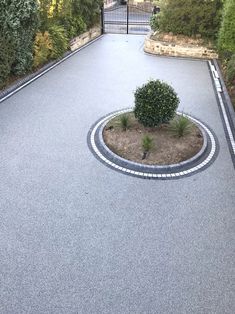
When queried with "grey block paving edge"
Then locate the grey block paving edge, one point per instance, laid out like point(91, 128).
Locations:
point(199, 162)
point(225, 106)
point(23, 82)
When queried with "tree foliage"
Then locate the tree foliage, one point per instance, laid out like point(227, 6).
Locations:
point(38, 30)
point(42, 48)
point(230, 73)
point(19, 21)
point(7, 56)
point(226, 41)
point(69, 12)
point(59, 41)
point(191, 17)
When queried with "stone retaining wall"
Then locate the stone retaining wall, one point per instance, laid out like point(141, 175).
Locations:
point(84, 38)
point(178, 50)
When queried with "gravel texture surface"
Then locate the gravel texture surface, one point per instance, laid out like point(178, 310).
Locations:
point(77, 237)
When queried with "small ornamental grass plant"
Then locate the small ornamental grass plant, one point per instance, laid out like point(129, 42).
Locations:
point(124, 121)
point(147, 145)
point(180, 126)
point(155, 103)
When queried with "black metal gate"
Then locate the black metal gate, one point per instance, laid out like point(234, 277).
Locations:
point(126, 18)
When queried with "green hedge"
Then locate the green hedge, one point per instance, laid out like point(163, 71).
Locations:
point(19, 21)
point(226, 41)
point(59, 41)
point(7, 57)
point(39, 30)
point(191, 17)
point(230, 72)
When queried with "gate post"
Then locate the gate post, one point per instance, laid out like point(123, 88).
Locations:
point(102, 18)
point(127, 17)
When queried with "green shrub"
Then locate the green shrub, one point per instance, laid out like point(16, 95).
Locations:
point(191, 17)
point(74, 26)
point(7, 55)
point(19, 21)
point(226, 41)
point(89, 10)
point(230, 72)
point(147, 143)
point(42, 49)
point(59, 41)
point(154, 22)
point(124, 120)
point(155, 103)
point(180, 126)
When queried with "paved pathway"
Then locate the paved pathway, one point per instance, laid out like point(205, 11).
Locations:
point(78, 237)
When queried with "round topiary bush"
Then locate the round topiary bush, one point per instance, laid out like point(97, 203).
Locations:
point(155, 103)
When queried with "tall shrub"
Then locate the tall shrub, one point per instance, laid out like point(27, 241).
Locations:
point(74, 15)
point(226, 41)
point(45, 13)
point(59, 41)
point(191, 17)
point(88, 9)
point(19, 21)
point(230, 71)
point(74, 25)
point(42, 49)
point(7, 56)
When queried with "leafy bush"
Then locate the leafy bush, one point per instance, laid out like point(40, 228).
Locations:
point(7, 55)
point(59, 41)
point(147, 143)
point(20, 22)
point(180, 126)
point(124, 120)
point(74, 26)
point(191, 17)
point(226, 41)
point(42, 49)
point(155, 103)
point(89, 10)
point(230, 73)
point(154, 22)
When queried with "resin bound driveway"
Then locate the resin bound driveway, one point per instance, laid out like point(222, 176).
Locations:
point(78, 237)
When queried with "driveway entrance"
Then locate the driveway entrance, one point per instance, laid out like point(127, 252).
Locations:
point(78, 237)
point(127, 18)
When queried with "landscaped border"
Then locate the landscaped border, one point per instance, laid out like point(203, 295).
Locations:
point(28, 79)
point(225, 106)
point(200, 161)
point(170, 49)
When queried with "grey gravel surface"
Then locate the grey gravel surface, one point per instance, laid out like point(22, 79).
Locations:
point(78, 237)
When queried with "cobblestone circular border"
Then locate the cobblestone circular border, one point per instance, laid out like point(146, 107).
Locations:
point(200, 161)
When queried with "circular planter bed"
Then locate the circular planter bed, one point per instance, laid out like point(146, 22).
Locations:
point(167, 148)
point(170, 157)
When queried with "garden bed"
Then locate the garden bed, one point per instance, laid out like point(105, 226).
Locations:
point(178, 46)
point(167, 148)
